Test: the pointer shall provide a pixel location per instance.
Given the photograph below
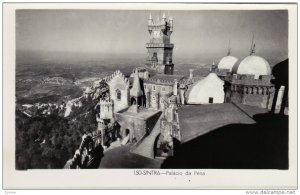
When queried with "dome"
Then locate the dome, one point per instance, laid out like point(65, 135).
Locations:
point(227, 62)
point(253, 65)
point(211, 88)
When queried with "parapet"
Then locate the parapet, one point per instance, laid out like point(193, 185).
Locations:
point(249, 79)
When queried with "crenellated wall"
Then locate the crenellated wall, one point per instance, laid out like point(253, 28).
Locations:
point(118, 81)
point(247, 90)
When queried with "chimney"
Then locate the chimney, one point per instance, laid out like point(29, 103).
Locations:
point(191, 73)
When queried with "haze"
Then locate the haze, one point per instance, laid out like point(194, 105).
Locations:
point(119, 33)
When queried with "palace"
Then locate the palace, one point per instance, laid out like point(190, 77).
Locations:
point(153, 108)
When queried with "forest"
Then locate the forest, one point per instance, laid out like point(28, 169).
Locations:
point(47, 142)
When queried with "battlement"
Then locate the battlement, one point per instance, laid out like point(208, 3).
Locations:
point(249, 79)
point(117, 73)
point(105, 102)
point(160, 23)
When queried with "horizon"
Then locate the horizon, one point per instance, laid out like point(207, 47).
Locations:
point(124, 33)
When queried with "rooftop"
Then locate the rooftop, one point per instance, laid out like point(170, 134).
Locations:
point(164, 79)
point(121, 157)
point(196, 120)
point(251, 110)
point(143, 113)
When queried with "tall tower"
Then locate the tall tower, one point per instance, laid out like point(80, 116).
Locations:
point(160, 50)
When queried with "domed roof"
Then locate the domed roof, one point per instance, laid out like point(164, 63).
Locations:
point(202, 90)
point(253, 65)
point(227, 62)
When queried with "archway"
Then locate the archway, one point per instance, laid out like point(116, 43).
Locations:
point(156, 146)
point(133, 101)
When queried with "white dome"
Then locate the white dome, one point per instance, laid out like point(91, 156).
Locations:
point(227, 62)
point(254, 65)
point(209, 87)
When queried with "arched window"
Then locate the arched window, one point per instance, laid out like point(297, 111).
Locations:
point(118, 94)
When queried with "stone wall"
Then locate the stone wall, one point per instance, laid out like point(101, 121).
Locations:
point(137, 127)
point(255, 100)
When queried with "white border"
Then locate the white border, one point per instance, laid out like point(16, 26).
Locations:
point(124, 179)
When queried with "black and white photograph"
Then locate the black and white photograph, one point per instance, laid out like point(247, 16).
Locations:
point(151, 89)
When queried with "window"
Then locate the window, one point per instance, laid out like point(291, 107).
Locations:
point(153, 87)
point(118, 94)
point(210, 100)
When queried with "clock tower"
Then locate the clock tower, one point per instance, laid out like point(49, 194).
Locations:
point(160, 50)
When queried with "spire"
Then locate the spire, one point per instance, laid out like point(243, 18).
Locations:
point(252, 49)
point(171, 23)
point(150, 17)
point(213, 67)
point(136, 86)
point(229, 49)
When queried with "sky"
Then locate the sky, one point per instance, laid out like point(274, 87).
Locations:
point(122, 32)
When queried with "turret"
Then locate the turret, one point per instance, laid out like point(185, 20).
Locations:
point(164, 19)
point(171, 23)
point(252, 49)
point(106, 109)
point(213, 67)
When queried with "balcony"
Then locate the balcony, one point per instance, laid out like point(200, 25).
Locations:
point(160, 45)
